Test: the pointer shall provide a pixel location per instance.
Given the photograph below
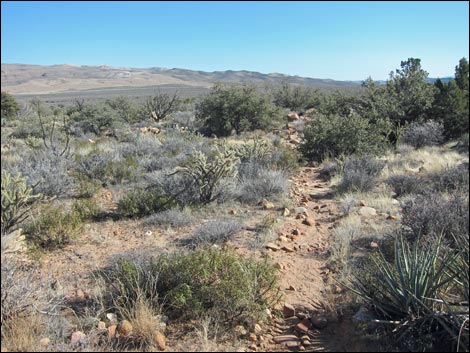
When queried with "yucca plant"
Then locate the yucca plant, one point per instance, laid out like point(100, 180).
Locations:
point(408, 287)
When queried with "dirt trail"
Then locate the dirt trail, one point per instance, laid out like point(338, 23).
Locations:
point(305, 277)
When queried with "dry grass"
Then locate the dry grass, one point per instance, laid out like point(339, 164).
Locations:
point(23, 334)
point(432, 159)
point(382, 201)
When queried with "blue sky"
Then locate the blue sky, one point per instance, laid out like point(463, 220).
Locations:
point(337, 40)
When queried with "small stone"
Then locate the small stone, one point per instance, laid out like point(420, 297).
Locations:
point(148, 233)
point(45, 341)
point(362, 203)
point(292, 344)
point(301, 316)
point(374, 245)
point(293, 116)
point(287, 249)
point(317, 207)
point(268, 313)
point(124, 328)
point(392, 217)
point(286, 212)
point(279, 265)
point(79, 295)
point(319, 321)
point(257, 329)
point(303, 327)
point(111, 319)
point(76, 337)
point(288, 310)
point(101, 325)
point(283, 238)
point(240, 330)
point(295, 232)
point(253, 347)
point(367, 211)
point(160, 340)
point(301, 348)
point(301, 210)
point(309, 221)
point(285, 338)
point(292, 288)
point(252, 337)
point(266, 204)
point(300, 216)
point(112, 330)
point(272, 246)
point(232, 212)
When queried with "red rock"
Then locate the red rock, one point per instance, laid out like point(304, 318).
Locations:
point(288, 310)
point(76, 337)
point(309, 221)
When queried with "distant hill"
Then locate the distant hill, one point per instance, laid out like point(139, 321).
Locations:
point(22, 79)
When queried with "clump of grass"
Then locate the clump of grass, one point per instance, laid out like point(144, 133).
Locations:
point(214, 232)
point(174, 217)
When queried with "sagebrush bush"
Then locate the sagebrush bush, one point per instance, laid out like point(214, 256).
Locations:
point(332, 136)
point(143, 202)
point(452, 179)
point(360, 173)
point(256, 182)
point(432, 214)
point(418, 135)
point(48, 172)
point(53, 228)
point(221, 284)
point(175, 217)
point(214, 232)
point(408, 184)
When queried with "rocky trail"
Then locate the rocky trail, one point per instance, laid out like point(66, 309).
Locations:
point(310, 319)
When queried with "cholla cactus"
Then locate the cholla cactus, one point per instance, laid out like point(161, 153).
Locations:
point(16, 198)
point(208, 175)
point(258, 150)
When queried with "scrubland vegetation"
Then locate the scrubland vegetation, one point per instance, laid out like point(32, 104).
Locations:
point(396, 156)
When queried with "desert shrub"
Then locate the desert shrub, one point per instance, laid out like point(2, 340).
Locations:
point(17, 198)
point(143, 202)
point(330, 168)
point(285, 159)
point(419, 135)
point(214, 232)
point(408, 184)
point(95, 118)
point(107, 167)
point(296, 98)
point(360, 173)
point(86, 209)
point(332, 136)
point(53, 228)
point(452, 179)
point(212, 282)
point(9, 107)
point(186, 119)
point(256, 182)
point(178, 187)
point(463, 143)
point(208, 173)
point(174, 217)
point(228, 108)
point(432, 214)
point(48, 173)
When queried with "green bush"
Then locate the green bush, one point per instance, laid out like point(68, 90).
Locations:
point(332, 136)
point(54, 228)
point(143, 202)
point(16, 201)
point(360, 173)
point(86, 209)
point(234, 108)
point(212, 282)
